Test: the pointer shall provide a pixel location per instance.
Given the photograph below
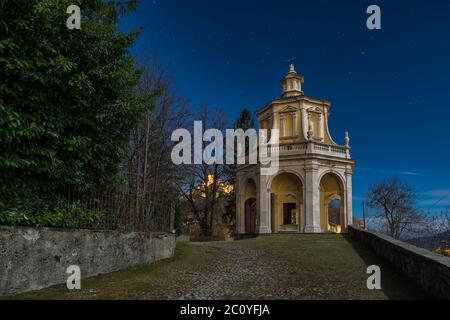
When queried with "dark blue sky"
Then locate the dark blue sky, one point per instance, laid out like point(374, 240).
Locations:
point(389, 88)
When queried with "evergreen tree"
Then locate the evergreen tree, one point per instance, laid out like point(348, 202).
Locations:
point(245, 121)
point(67, 97)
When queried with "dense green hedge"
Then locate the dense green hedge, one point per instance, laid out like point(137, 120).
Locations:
point(53, 214)
point(67, 104)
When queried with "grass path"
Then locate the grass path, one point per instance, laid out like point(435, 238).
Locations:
point(269, 267)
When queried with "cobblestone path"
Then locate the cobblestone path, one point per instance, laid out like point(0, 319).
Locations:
point(267, 267)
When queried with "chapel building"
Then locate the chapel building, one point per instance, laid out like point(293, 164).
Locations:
point(312, 191)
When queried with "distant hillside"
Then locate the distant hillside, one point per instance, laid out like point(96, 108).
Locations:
point(431, 242)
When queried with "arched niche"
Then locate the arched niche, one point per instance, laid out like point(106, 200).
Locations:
point(286, 192)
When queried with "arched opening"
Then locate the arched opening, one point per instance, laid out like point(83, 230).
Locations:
point(334, 207)
point(250, 207)
point(332, 204)
point(286, 203)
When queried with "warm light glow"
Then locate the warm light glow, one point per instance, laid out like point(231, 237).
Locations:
point(227, 187)
point(224, 186)
point(210, 180)
point(335, 229)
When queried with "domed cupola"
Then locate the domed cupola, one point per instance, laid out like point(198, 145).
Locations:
point(292, 84)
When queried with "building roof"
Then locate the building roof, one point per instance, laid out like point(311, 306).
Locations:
point(293, 99)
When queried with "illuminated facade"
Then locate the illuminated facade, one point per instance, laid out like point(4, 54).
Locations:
point(312, 191)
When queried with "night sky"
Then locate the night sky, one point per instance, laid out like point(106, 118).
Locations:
point(389, 88)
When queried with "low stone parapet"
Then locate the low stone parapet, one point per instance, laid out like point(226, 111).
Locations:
point(430, 271)
point(35, 258)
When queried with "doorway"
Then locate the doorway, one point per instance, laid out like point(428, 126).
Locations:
point(289, 213)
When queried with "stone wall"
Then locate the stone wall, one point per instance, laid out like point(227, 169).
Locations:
point(430, 271)
point(35, 258)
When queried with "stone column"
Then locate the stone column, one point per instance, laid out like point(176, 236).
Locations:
point(274, 214)
point(263, 207)
point(240, 206)
point(303, 210)
point(312, 206)
point(348, 198)
point(240, 212)
point(299, 211)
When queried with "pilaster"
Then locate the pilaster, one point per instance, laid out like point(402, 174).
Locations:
point(312, 205)
point(263, 207)
point(348, 197)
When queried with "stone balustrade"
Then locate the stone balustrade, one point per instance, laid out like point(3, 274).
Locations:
point(311, 148)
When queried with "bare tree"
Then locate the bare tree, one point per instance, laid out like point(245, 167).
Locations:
point(439, 224)
point(149, 168)
point(202, 185)
point(393, 205)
